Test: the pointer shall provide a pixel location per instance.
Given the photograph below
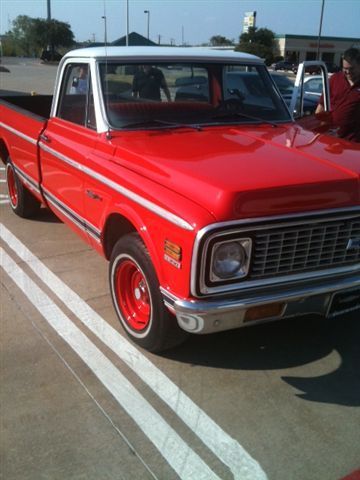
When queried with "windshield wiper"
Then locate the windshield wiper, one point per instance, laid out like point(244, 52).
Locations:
point(162, 123)
point(229, 114)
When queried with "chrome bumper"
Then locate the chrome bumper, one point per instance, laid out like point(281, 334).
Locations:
point(209, 316)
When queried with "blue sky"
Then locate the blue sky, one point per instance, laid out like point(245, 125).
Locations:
point(193, 21)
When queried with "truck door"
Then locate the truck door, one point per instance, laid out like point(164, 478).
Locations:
point(65, 144)
point(297, 100)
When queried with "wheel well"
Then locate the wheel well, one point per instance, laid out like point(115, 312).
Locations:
point(116, 227)
point(4, 153)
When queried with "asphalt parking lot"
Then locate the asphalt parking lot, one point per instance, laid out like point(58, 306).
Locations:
point(78, 401)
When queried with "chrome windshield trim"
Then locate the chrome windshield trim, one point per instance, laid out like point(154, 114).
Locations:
point(19, 134)
point(161, 212)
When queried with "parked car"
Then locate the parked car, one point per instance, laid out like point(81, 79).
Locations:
point(284, 65)
point(286, 87)
point(313, 86)
point(311, 69)
point(194, 87)
point(50, 56)
point(315, 70)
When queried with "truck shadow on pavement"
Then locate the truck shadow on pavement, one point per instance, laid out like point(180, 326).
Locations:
point(45, 215)
point(288, 344)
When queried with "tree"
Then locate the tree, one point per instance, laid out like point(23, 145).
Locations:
point(260, 42)
point(53, 33)
point(32, 35)
point(219, 40)
point(22, 36)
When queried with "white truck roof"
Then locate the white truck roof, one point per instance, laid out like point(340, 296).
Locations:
point(164, 54)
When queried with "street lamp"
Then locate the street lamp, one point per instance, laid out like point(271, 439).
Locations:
point(105, 29)
point(148, 23)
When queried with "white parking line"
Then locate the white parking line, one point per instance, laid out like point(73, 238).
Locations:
point(186, 463)
point(226, 448)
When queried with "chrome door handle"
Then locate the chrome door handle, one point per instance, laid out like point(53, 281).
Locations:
point(45, 138)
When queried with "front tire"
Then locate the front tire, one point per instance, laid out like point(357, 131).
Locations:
point(137, 299)
point(22, 202)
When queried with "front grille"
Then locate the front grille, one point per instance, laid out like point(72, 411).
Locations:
point(302, 248)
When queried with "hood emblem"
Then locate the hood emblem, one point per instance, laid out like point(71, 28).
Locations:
point(353, 244)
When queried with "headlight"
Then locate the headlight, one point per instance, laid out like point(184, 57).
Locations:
point(230, 259)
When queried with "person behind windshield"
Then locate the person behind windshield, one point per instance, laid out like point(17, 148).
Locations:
point(148, 82)
point(345, 97)
point(80, 84)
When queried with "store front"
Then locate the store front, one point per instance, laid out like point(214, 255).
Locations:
point(297, 48)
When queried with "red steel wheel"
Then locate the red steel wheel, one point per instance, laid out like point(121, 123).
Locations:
point(22, 201)
point(12, 185)
point(133, 296)
point(137, 297)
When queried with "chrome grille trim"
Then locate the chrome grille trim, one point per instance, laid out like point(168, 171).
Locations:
point(289, 248)
point(307, 248)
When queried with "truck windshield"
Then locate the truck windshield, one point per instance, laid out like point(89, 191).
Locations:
point(147, 95)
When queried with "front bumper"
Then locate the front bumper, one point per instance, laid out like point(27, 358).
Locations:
point(328, 298)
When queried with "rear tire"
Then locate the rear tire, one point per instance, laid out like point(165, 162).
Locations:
point(137, 299)
point(22, 202)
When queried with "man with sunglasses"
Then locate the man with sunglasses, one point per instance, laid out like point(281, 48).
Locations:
point(345, 97)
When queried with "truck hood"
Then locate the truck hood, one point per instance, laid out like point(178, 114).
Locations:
point(239, 172)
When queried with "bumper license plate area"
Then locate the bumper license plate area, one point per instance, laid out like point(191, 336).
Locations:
point(343, 302)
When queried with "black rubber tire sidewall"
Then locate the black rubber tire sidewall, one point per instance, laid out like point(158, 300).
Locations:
point(27, 205)
point(162, 330)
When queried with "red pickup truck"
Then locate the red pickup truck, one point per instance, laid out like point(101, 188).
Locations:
point(185, 168)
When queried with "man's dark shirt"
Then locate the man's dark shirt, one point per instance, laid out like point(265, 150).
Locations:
point(148, 84)
point(345, 107)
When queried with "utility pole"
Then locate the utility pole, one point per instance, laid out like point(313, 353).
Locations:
point(127, 23)
point(320, 27)
point(105, 29)
point(50, 45)
point(148, 23)
point(48, 10)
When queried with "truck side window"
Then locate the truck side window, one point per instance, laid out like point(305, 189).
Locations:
point(76, 103)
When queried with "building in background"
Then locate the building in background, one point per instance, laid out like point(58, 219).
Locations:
point(135, 40)
point(297, 48)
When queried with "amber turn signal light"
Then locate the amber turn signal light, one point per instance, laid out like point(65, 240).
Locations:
point(264, 311)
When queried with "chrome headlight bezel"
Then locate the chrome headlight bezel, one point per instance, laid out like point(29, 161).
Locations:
point(209, 281)
point(236, 254)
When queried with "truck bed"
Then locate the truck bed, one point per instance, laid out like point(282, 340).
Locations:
point(39, 105)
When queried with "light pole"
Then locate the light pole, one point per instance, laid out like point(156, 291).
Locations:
point(127, 23)
point(320, 27)
point(105, 29)
point(48, 10)
point(148, 23)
